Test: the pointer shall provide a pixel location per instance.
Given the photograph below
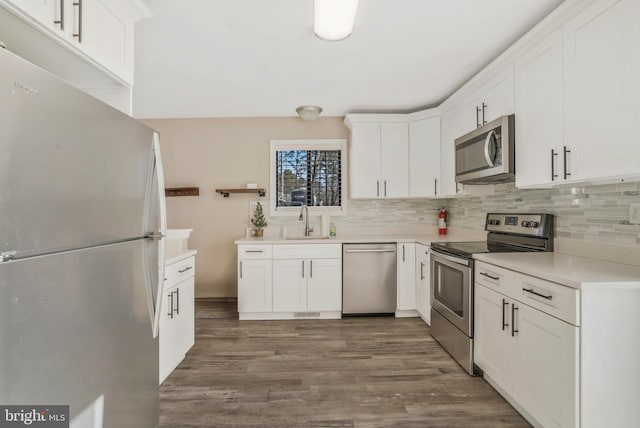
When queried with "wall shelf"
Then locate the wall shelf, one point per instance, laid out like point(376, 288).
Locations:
point(227, 192)
point(181, 191)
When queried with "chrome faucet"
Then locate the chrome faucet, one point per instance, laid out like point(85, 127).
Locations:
point(307, 231)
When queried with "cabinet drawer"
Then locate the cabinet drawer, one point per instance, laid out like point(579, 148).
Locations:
point(254, 252)
point(554, 299)
point(307, 251)
point(494, 277)
point(179, 271)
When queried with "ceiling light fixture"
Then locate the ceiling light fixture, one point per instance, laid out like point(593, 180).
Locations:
point(309, 112)
point(333, 19)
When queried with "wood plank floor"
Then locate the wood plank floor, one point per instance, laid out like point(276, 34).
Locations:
point(354, 372)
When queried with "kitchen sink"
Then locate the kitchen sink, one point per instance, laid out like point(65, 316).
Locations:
point(302, 237)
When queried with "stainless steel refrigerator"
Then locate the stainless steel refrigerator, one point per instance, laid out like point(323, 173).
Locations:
point(81, 252)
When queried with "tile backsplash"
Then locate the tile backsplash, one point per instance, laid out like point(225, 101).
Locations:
point(588, 212)
point(592, 213)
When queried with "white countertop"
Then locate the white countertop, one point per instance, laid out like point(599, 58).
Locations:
point(573, 271)
point(173, 257)
point(357, 239)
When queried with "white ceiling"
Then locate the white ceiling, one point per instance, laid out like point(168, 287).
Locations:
point(240, 58)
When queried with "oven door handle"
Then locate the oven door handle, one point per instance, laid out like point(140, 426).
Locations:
point(457, 260)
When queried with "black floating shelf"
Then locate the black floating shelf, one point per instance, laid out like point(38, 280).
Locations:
point(227, 192)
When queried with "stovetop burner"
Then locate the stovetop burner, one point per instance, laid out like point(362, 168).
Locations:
point(507, 233)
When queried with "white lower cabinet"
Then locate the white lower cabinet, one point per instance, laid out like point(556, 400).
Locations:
point(423, 280)
point(290, 281)
point(406, 280)
point(545, 379)
point(177, 311)
point(307, 285)
point(255, 286)
point(529, 355)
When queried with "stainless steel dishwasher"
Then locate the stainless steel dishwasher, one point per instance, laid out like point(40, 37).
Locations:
point(368, 279)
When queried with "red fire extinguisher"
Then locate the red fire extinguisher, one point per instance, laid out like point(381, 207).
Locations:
point(442, 222)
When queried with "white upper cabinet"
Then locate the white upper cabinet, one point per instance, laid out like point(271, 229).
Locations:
point(107, 35)
point(492, 100)
point(602, 83)
point(394, 160)
point(451, 128)
point(539, 113)
point(364, 160)
point(424, 157)
point(99, 31)
point(378, 156)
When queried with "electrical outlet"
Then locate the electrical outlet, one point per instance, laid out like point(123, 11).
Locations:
point(634, 213)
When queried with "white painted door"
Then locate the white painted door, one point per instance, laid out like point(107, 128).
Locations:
point(185, 299)
point(255, 286)
point(324, 285)
point(547, 365)
point(602, 84)
point(290, 285)
point(43, 11)
point(423, 291)
point(394, 160)
point(539, 113)
point(451, 129)
point(364, 161)
point(494, 349)
point(169, 333)
point(472, 113)
point(107, 36)
point(498, 95)
point(406, 274)
point(424, 157)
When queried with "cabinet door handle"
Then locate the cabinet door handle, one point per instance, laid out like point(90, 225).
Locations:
point(435, 186)
point(78, 34)
point(484, 106)
point(403, 252)
point(385, 187)
point(61, 12)
point(303, 268)
point(240, 269)
point(377, 187)
point(170, 296)
point(495, 278)
point(254, 251)
point(553, 170)
point(310, 268)
point(185, 269)
point(177, 309)
point(514, 308)
point(477, 117)
point(504, 323)
point(530, 290)
point(565, 150)
point(421, 270)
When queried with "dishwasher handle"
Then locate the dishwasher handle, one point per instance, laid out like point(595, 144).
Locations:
point(371, 250)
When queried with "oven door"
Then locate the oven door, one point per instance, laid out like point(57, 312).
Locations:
point(451, 281)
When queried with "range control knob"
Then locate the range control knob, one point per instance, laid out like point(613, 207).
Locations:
point(534, 224)
point(494, 222)
point(524, 223)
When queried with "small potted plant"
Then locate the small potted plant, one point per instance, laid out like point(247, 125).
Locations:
point(259, 221)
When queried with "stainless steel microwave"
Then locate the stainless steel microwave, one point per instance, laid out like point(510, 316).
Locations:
point(487, 154)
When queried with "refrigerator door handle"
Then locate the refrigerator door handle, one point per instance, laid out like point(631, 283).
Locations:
point(158, 175)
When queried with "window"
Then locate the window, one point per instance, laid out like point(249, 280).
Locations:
point(308, 172)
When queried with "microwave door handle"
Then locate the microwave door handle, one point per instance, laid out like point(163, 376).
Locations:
point(487, 142)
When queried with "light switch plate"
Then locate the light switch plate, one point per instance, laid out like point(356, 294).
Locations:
point(634, 213)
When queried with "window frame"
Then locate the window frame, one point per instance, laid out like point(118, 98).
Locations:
point(324, 144)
